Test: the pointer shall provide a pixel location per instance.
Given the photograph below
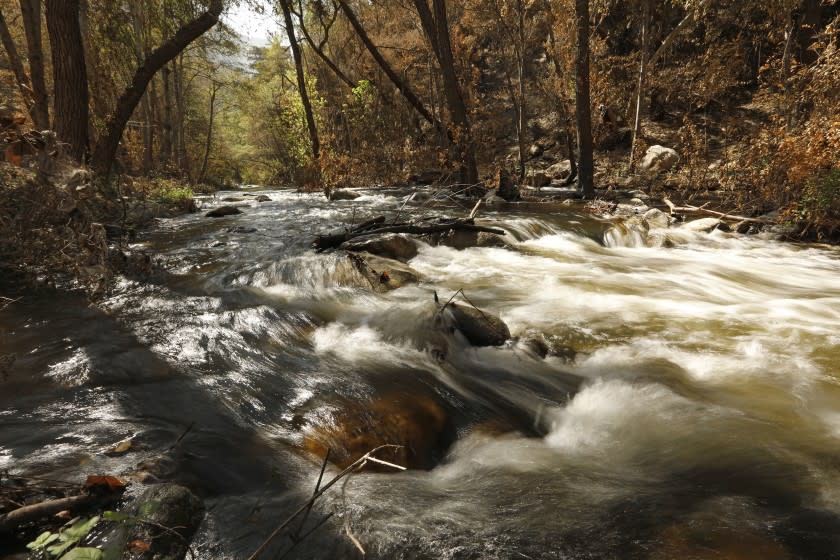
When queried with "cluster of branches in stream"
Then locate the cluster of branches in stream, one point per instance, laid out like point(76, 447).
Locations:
point(360, 93)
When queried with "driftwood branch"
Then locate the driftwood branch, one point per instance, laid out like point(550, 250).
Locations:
point(331, 241)
point(26, 514)
point(703, 210)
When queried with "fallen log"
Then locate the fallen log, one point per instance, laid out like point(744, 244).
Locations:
point(26, 514)
point(332, 241)
point(703, 210)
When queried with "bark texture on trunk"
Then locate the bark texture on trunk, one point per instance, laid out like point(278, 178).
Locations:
point(435, 23)
point(583, 111)
point(70, 81)
point(21, 77)
point(208, 145)
point(31, 12)
point(301, 80)
point(640, 88)
point(106, 149)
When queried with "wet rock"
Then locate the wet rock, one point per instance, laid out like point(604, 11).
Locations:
point(536, 345)
point(223, 211)
point(234, 199)
point(505, 185)
point(657, 218)
point(417, 423)
point(166, 505)
point(383, 274)
point(242, 229)
point(343, 195)
point(704, 225)
point(263, 198)
point(391, 245)
point(462, 239)
point(559, 170)
point(632, 232)
point(659, 158)
point(479, 327)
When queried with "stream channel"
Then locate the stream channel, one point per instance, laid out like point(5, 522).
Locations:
point(689, 406)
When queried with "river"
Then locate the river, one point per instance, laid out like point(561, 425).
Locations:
point(691, 410)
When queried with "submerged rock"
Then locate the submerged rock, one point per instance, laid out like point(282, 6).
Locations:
point(389, 245)
point(416, 423)
point(263, 198)
point(171, 506)
point(463, 239)
point(479, 327)
point(383, 274)
point(223, 211)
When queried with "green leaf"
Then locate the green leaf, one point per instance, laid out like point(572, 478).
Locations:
point(58, 549)
point(80, 529)
point(116, 516)
point(83, 554)
point(43, 540)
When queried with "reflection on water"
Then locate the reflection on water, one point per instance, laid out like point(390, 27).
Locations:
point(692, 412)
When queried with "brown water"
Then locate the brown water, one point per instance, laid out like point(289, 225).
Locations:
point(700, 417)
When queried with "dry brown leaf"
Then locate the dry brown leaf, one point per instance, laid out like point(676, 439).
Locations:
point(111, 482)
point(138, 546)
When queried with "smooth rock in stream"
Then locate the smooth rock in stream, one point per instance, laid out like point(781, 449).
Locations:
point(704, 225)
point(383, 274)
point(223, 211)
point(417, 423)
point(389, 245)
point(343, 195)
point(463, 239)
point(234, 199)
point(263, 198)
point(172, 506)
point(479, 327)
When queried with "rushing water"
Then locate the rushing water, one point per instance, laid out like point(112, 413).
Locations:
point(693, 412)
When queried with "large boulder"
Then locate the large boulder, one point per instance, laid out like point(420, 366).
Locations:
point(659, 158)
point(390, 245)
point(559, 170)
point(382, 274)
point(479, 327)
point(339, 194)
point(505, 185)
point(223, 211)
point(416, 423)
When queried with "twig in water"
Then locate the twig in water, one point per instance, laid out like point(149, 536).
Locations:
point(359, 463)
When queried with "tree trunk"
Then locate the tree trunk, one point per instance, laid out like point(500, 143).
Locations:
point(640, 89)
point(16, 64)
point(180, 117)
point(520, 63)
point(106, 149)
point(301, 81)
point(70, 103)
point(435, 24)
point(31, 12)
point(214, 87)
point(145, 105)
point(401, 85)
point(166, 138)
point(561, 105)
point(582, 103)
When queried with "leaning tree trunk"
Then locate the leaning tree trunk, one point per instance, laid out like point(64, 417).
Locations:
point(106, 149)
point(301, 81)
point(70, 82)
point(400, 84)
point(14, 61)
point(583, 111)
point(166, 136)
point(31, 12)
